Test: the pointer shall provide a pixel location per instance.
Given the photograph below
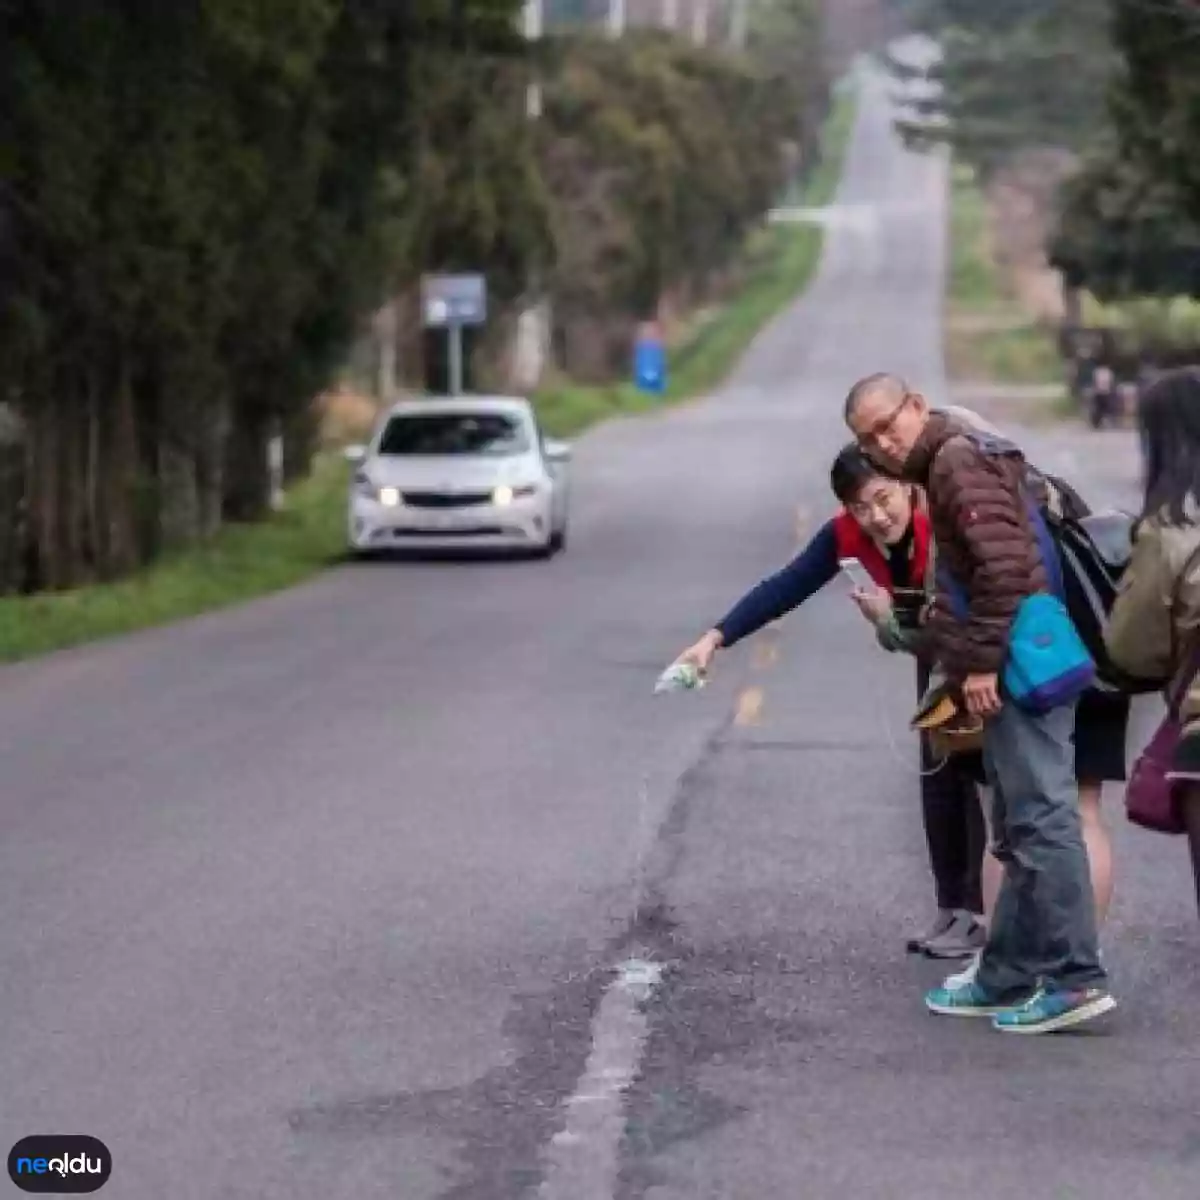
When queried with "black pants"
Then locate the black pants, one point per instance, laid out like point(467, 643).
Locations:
point(955, 831)
point(954, 825)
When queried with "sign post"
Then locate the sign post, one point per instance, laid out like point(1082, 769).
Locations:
point(451, 302)
point(456, 366)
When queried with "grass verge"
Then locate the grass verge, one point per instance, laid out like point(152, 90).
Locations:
point(989, 335)
point(242, 562)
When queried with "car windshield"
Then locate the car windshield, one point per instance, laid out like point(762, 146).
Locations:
point(493, 435)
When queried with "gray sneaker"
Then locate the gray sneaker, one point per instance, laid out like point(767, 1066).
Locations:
point(960, 939)
point(943, 921)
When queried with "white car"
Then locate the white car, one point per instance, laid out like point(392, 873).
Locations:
point(466, 471)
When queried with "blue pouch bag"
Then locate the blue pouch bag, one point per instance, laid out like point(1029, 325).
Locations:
point(1047, 664)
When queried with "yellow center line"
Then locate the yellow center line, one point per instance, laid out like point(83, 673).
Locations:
point(749, 706)
point(766, 654)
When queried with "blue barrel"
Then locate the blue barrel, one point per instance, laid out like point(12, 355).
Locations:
point(650, 366)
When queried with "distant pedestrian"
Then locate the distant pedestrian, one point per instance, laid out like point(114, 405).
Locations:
point(1040, 970)
point(1104, 395)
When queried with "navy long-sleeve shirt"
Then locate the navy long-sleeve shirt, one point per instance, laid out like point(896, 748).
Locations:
point(803, 577)
point(788, 588)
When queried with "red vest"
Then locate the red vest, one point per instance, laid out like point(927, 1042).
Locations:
point(854, 542)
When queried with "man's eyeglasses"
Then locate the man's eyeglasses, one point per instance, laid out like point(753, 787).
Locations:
point(870, 437)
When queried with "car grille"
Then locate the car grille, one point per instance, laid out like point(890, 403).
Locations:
point(446, 534)
point(446, 499)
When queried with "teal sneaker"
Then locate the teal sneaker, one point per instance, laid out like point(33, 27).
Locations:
point(957, 998)
point(1048, 1011)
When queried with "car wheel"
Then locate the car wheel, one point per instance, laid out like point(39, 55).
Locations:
point(558, 540)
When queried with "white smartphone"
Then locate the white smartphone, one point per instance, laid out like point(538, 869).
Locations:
point(855, 573)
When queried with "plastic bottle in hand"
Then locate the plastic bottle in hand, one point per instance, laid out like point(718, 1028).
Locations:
point(679, 677)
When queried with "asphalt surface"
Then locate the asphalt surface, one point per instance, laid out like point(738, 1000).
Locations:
point(323, 897)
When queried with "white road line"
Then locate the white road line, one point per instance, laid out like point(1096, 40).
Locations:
point(582, 1160)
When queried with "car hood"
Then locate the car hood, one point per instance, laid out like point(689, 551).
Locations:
point(451, 473)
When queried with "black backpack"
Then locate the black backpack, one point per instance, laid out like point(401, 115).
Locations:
point(1095, 549)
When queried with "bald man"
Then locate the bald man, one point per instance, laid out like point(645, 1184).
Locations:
point(1101, 728)
point(1040, 970)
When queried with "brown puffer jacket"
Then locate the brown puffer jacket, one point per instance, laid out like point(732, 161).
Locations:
point(983, 538)
point(1052, 492)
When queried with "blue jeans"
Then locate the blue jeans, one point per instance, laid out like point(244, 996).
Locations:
point(1044, 926)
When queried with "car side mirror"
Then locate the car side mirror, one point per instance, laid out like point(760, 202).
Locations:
point(558, 452)
point(355, 455)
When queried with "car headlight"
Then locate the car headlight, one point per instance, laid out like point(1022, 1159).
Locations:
point(389, 497)
point(505, 494)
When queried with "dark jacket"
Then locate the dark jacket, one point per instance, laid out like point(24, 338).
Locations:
point(984, 539)
point(787, 589)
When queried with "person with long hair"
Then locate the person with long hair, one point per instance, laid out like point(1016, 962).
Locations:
point(1154, 628)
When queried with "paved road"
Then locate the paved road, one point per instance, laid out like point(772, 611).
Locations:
point(348, 893)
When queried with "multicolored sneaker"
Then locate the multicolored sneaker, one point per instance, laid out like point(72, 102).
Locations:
point(1048, 1011)
point(965, 1000)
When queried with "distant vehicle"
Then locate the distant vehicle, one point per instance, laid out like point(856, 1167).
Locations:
point(468, 471)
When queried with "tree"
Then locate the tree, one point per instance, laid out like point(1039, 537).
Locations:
point(787, 41)
point(1130, 222)
point(1123, 233)
point(199, 203)
point(1010, 76)
point(660, 157)
point(1156, 100)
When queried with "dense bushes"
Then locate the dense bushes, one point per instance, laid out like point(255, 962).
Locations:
point(1130, 223)
point(198, 202)
point(659, 157)
point(1011, 76)
point(1118, 85)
